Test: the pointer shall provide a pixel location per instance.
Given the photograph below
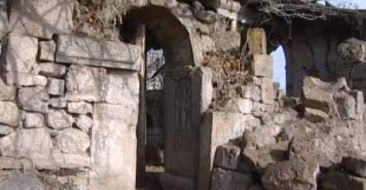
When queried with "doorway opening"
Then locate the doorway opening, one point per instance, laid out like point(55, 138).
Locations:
point(279, 67)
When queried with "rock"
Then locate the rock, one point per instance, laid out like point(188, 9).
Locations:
point(47, 50)
point(346, 105)
point(7, 93)
point(79, 107)
point(290, 175)
point(5, 130)
point(33, 144)
point(40, 18)
point(22, 181)
point(224, 180)
point(92, 52)
point(21, 53)
point(239, 105)
point(59, 102)
point(227, 40)
point(259, 107)
point(207, 17)
point(122, 87)
point(318, 95)
point(315, 115)
point(267, 91)
point(84, 123)
point(339, 181)
point(85, 83)
point(51, 69)
point(258, 158)
point(309, 146)
point(34, 120)
point(352, 51)
point(261, 136)
point(56, 87)
point(59, 119)
point(262, 65)
point(227, 156)
point(72, 141)
point(9, 113)
point(25, 79)
point(250, 92)
point(33, 99)
point(355, 166)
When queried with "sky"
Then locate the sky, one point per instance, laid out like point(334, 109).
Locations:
point(279, 57)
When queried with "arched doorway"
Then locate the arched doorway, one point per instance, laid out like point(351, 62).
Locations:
point(167, 32)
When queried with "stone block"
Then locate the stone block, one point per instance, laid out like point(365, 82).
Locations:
point(7, 93)
point(22, 180)
point(41, 18)
point(59, 102)
point(5, 130)
point(4, 25)
point(216, 129)
point(71, 161)
point(79, 107)
point(261, 136)
point(284, 175)
point(239, 105)
point(85, 83)
point(51, 69)
point(355, 166)
point(346, 105)
point(360, 102)
point(25, 79)
point(339, 181)
point(262, 66)
point(33, 99)
point(122, 87)
point(13, 163)
point(84, 123)
point(59, 119)
point(47, 50)
point(318, 95)
point(34, 120)
point(21, 53)
point(34, 144)
point(224, 180)
point(56, 87)
point(72, 141)
point(315, 115)
point(114, 146)
point(257, 41)
point(267, 91)
point(9, 113)
point(250, 92)
point(92, 52)
point(228, 156)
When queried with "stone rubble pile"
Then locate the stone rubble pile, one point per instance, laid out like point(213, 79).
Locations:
point(288, 150)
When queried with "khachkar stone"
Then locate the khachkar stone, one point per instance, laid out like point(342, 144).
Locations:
point(85, 83)
point(88, 51)
point(41, 18)
point(114, 146)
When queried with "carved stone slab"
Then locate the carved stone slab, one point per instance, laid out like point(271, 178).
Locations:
point(88, 51)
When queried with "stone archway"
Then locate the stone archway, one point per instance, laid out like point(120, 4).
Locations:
point(183, 86)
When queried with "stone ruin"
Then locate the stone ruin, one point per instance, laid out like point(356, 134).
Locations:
point(179, 95)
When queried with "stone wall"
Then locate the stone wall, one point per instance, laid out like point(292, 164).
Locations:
point(67, 103)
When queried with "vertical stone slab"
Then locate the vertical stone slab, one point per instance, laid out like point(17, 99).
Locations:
point(185, 101)
point(114, 146)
